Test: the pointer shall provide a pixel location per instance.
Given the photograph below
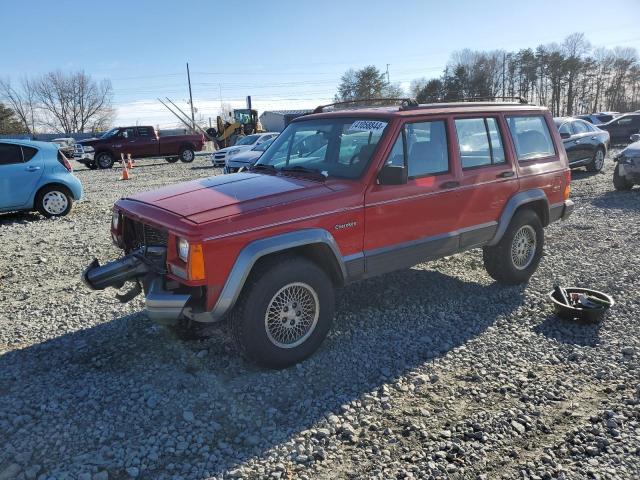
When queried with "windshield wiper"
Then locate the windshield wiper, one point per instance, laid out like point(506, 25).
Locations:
point(263, 167)
point(300, 169)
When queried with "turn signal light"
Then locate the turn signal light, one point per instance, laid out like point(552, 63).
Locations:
point(195, 265)
point(567, 188)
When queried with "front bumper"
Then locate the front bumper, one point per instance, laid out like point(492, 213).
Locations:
point(141, 266)
point(218, 160)
point(630, 170)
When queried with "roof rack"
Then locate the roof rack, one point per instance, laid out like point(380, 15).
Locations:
point(371, 102)
point(463, 102)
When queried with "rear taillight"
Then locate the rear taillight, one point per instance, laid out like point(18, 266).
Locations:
point(63, 160)
point(567, 184)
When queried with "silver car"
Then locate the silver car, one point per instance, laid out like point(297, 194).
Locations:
point(245, 159)
point(627, 171)
point(219, 157)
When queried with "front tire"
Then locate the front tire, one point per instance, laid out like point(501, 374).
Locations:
point(620, 183)
point(104, 160)
point(597, 162)
point(54, 201)
point(171, 159)
point(187, 155)
point(284, 313)
point(92, 165)
point(516, 257)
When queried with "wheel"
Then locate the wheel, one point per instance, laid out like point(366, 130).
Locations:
point(598, 161)
point(104, 160)
point(619, 181)
point(171, 159)
point(92, 165)
point(54, 201)
point(187, 155)
point(516, 257)
point(284, 312)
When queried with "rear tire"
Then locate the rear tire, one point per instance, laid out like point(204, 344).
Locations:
point(620, 183)
point(54, 201)
point(187, 155)
point(517, 255)
point(284, 312)
point(104, 160)
point(597, 162)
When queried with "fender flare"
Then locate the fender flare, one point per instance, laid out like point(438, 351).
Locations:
point(515, 202)
point(257, 249)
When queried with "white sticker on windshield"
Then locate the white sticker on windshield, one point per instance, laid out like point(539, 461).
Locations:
point(373, 126)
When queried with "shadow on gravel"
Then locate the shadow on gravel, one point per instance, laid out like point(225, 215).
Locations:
point(204, 167)
point(20, 217)
point(629, 200)
point(128, 389)
point(570, 333)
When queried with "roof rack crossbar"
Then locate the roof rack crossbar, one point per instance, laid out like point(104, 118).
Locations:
point(476, 101)
point(404, 102)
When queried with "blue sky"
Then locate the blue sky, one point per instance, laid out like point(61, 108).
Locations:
point(286, 54)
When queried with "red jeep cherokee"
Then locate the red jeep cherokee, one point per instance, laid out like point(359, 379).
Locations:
point(341, 196)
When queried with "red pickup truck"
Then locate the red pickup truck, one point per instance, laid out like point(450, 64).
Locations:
point(338, 197)
point(140, 142)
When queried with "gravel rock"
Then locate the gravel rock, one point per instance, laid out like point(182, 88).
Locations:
point(432, 372)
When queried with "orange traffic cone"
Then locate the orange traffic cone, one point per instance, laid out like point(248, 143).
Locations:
point(130, 162)
point(125, 172)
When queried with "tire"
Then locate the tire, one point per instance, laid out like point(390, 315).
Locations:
point(187, 155)
point(92, 165)
point(516, 257)
point(171, 159)
point(54, 201)
point(620, 183)
point(104, 160)
point(269, 284)
point(597, 162)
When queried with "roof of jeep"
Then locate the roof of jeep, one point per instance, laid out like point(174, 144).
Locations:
point(428, 109)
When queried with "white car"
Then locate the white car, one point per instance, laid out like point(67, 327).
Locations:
point(219, 157)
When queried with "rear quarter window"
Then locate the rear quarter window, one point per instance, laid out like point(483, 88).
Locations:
point(28, 153)
point(531, 137)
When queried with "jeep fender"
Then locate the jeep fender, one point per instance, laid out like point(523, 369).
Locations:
point(534, 196)
point(257, 249)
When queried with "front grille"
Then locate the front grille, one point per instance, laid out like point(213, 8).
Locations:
point(137, 234)
point(219, 155)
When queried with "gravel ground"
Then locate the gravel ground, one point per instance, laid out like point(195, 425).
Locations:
point(432, 372)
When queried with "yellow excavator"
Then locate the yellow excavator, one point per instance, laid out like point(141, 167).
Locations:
point(245, 122)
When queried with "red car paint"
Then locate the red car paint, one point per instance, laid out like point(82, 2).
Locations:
point(226, 213)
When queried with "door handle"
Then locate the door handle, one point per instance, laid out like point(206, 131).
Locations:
point(452, 184)
point(506, 174)
point(32, 169)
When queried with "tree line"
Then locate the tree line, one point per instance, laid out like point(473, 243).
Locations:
point(55, 102)
point(569, 78)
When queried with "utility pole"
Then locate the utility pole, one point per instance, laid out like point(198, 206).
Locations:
point(504, 61)
point(193, 118)
point(388, 73)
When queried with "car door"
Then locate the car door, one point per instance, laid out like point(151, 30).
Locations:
point(488, 177)
point(20, 172)
point(583, 143)
point(409, 223)
point(146, 143)
point(123, 142)
point(622, 128)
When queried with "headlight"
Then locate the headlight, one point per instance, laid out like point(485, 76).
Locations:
point(115, 220)
point(232, 152)
point(183, 249)
point(88, 149)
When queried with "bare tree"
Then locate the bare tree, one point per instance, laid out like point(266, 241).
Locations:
point(73, 102)
point(22, 101)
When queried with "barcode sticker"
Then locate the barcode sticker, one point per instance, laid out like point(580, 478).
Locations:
point(373, 126)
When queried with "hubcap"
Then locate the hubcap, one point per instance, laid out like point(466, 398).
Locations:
point(55, 202)
point(104, 161)
point(599, 159)
point(187, 155)
point(292, 315)
point(523, 247)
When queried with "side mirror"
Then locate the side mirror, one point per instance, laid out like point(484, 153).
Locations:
point(392, 175)
point(635, 137)
point(565, 135)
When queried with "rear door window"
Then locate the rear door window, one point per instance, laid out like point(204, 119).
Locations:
point(531, 137)
point(479, 142)
point(10, 154)
point(579, 127)
point(144, 131)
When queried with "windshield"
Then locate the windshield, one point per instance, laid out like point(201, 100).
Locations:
point(263, 146)
point(109, 133)
point(248, 140)
point(336, 147)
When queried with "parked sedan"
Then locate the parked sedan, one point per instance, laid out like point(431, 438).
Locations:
point(219, 157)
point(599, 117)
point(622, 128)
point(36, 176)
point(586, 145)
point(244, 160)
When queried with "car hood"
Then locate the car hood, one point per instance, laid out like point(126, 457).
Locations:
point(246, 157)
point(234, 147)
point(213, 198)
point(632, 151)
point(89, 141)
